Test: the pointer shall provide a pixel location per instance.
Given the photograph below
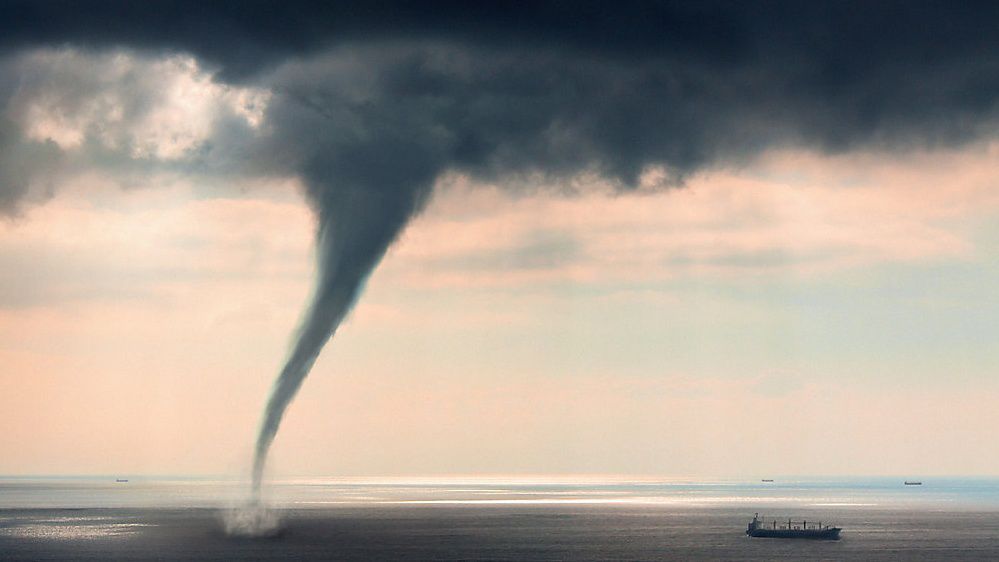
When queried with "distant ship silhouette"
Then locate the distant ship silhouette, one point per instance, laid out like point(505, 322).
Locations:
point(758, 527)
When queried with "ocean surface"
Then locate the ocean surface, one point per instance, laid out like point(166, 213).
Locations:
point(478, 518)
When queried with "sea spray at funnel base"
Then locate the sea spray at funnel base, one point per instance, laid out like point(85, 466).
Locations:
point(252, 522)
point(357, 224)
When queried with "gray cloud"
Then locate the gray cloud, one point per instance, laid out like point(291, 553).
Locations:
point(501, 91)
point(25, 167)
point(421, 109)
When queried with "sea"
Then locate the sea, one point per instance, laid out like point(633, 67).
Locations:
point(492, 518)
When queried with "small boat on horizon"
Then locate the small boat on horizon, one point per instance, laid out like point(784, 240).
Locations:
point(913, 483)
point(768, 479)
point(120, 480)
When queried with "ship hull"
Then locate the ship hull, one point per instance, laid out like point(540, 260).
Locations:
point(817, 534)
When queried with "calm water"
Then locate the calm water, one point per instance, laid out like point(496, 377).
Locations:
point(497, 519)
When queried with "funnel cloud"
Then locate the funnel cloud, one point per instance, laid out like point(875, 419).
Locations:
point(356, 227)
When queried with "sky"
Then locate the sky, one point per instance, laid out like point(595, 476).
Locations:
point(691, 240)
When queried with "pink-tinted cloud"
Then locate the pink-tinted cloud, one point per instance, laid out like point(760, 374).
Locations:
point(791, 214)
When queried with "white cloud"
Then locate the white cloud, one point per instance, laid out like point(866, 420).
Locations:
point(161, 108)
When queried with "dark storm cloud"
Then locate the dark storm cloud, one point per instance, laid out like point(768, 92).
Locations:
point(243, 34)
point(553, 87)
point(418, 109)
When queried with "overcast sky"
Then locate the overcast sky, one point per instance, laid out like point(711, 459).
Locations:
point(672, 239)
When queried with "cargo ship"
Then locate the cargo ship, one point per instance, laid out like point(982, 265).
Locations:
point(789, 529)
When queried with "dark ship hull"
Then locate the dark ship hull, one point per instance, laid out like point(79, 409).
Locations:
point(830, 534)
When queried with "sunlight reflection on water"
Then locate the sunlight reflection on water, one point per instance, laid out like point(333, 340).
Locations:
point(68, 528)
